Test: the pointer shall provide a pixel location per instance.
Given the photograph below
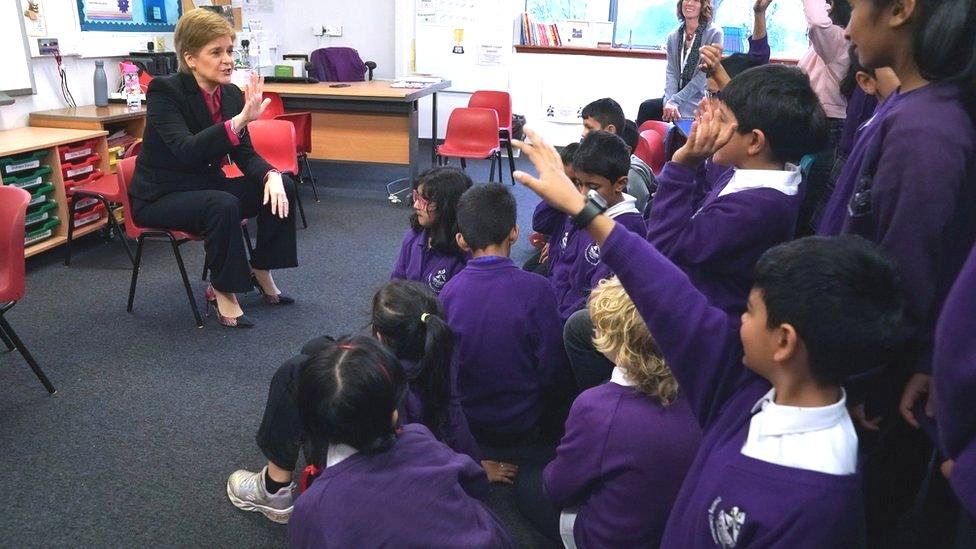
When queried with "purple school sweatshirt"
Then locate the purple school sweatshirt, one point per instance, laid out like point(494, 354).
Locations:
point(621, 461)
point(727, 499)
point(954, 368)
point(860, 108)
point(454, 432)
point(923, 199)
point(509, 342)
point(418, 493)
point(552, 223)
point(716, 239)
point(759, 49)
point(575, 268)
point(419, 263)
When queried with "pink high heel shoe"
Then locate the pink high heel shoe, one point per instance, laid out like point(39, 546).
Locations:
point(229, 322)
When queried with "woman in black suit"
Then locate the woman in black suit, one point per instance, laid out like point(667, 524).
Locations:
point(196, 120)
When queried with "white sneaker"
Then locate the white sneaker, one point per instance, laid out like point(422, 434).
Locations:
point(246, 491)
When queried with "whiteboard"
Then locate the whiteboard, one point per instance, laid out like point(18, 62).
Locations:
point(468, 42)
point(16, 78)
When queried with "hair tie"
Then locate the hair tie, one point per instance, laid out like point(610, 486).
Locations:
point(350, 347)
point(423, 317)
point(346, 347)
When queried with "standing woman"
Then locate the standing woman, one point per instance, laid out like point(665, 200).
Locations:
point(684, 86)
point(196, 121)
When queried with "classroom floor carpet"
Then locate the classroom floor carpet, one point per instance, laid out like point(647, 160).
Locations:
point(152, 414)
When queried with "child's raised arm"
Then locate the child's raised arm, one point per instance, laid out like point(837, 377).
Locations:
point(699, 342)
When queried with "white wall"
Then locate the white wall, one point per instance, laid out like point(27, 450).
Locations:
point(80, 72)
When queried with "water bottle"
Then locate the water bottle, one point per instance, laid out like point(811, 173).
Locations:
point(101, 85)
point(130, 83)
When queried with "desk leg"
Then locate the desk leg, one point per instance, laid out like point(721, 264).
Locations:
point(414, 144)
point(433, 129)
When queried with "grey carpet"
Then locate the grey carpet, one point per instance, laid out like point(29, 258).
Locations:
point(151, 413)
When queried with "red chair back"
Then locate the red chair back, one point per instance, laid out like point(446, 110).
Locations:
point(303, 129)
point(655, 150)
point(498, 100)
point(275, 107)
point(661, 128)
point(127, 167)
point(274, 140)
point(471, 133)
point(13, 209)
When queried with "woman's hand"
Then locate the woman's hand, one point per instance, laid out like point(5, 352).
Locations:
point(499, 472)
point(552, 185)
point(274, 193)
point(709, 133)
point(254, 103)
point(670, 113)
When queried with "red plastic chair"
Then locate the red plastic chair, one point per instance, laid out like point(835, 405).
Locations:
point(654, 151)
point(274, 140)
point(13, 209)
point(176, 238)
point(472, 133)
point(501, 102)
point(303, 133)
point(104, 189)
point(661, 128)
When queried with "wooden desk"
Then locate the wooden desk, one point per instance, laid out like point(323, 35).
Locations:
point(22, 140)
point(364, 121)
point(89, 117)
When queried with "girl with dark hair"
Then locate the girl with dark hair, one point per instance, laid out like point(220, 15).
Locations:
point(429, 253)
point(909, 186)
point(381, 484)
point(409, 320)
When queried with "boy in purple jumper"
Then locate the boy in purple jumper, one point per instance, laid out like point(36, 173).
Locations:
point(429, 253)
point(381, 486)
point(716, 230)
point(628, 442)
point(601, 166)
point(508, 346)
point(778, 460)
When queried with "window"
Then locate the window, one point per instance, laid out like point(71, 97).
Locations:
point(647, 23)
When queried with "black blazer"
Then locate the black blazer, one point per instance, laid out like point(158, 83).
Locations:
point(182, 147)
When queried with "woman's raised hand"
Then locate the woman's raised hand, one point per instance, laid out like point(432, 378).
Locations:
point(552, 184)
point(254, 102)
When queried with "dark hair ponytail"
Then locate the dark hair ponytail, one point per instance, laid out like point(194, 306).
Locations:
point(347, 393)
point(411, 321)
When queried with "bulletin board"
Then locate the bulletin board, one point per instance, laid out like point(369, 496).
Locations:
point(468, 42)
point(61, 19)
point(128, 15)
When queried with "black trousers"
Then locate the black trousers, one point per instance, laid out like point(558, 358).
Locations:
point(216, 213)
point(590, 368)
point(281, 435)
point(652, 109)
point(535, 505)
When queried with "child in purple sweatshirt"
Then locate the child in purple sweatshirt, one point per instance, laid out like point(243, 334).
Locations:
point(601, 165)
point(381, 486)
point(429, 253)
point(716, 230)
point(628, 442)
point(778, 461)
point(508, 348)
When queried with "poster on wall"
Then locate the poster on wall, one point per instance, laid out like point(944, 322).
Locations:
point(129, 15)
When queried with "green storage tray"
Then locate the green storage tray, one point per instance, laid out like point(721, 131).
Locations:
point(40, 212)
point(22, 162)
point(29, 181)
point(41, 194)
point(42, 232)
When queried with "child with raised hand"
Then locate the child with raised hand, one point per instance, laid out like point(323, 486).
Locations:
point(509, 341)
point(409, 320)
point(777, 466)
point(715, 230)
point(429, 253)
point(719, 70)
point(628, 443)
point(381, 485)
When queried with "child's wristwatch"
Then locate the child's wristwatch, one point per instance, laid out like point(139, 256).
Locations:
point(594, 206)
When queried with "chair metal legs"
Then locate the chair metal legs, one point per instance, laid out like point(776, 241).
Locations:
point(113, 225)
point(511, 159)
point(11, 340)
point(311, 178)
point(179, 261)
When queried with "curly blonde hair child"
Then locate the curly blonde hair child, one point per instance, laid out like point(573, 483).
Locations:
point(621, 335)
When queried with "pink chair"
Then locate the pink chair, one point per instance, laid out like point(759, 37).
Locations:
point(472, 133)
point(501, 102)
point(105, 189)
point(176, 238)
point(303, 134)
point(661, 128)
point(654, 150)
point(13, 209)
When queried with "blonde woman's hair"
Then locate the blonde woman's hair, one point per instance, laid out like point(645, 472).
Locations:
point(620, 331)
point(197, 28)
